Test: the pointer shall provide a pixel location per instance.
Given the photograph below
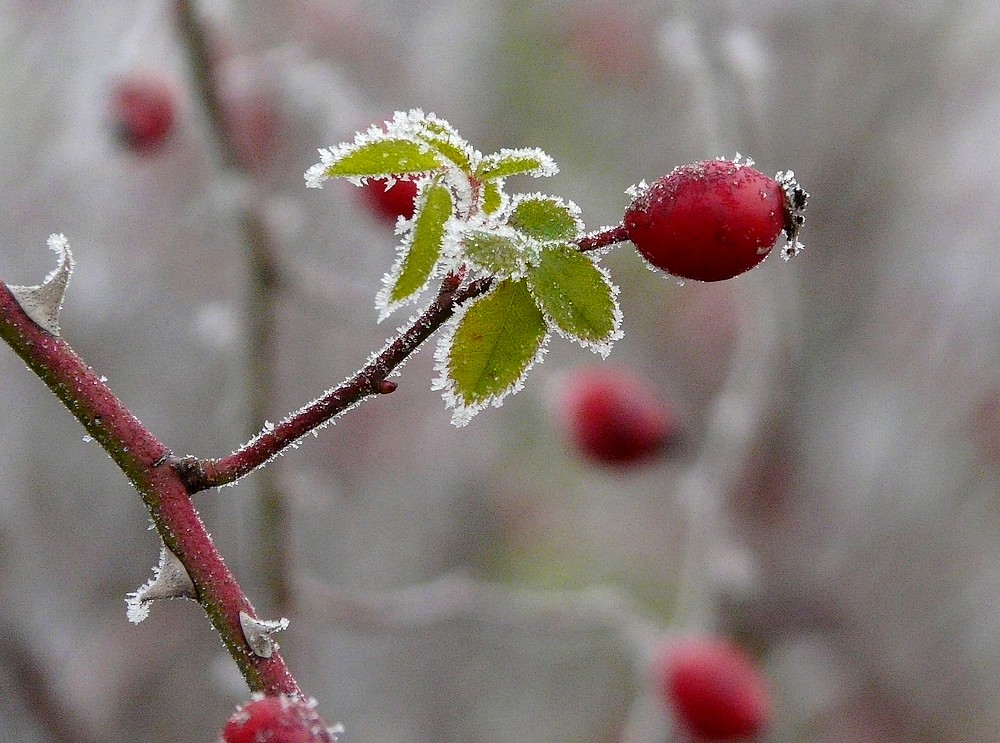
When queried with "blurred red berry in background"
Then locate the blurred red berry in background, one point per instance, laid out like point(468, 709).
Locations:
point(613, 42)
point(615, 416)
point(389, 203)
point(713, 688)
point(143, 110)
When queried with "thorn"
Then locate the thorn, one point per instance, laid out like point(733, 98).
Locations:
point(386, 387)
point(42, 303)
point(258, 633)
point(170, 581)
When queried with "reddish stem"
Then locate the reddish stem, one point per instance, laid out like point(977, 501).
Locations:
point(202, 474)
point(603, 238)
point(141, 457)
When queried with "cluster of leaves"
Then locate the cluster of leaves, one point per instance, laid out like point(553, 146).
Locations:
point(465, 225)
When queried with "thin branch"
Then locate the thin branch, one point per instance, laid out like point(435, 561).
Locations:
point(603, 238)
point(201, 474)
point(202, 59)
point(371, 380)
point(141, 457)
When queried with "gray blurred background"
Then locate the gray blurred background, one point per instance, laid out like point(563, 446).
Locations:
point(834, 505)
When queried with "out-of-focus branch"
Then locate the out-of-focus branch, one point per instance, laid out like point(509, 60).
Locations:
point(35, 694)
point(263, 291)
point(204, 69)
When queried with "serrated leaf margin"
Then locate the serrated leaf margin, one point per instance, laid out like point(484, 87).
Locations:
point(383, 300)
point(601, 346)
point(490, 166)
point(570, 206)
point(462, 413)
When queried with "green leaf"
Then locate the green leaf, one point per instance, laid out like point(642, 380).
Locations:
point(382, 157)
point(576, 296)
point(492, 197)
point(422, 248)
point(442, 137)
point(545, 218)
point(497, 253)
point(505, 163)
point(494, 343)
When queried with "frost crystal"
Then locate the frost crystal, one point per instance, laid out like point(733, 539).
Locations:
point(636, 190)
point(170, 581)
point(317, 173)
point(258, 633)
point(42, 303)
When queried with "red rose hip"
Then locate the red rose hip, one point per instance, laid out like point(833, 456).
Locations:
point(143, 110)
point(615, 417)
point(714, 219)
point(388, 203)
point(713, 689)
point(277, 719)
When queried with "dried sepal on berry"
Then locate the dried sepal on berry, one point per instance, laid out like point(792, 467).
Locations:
point(796, 199)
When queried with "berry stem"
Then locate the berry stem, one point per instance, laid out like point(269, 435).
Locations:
point(200, 474)
point(141, 456)
point(603, 238)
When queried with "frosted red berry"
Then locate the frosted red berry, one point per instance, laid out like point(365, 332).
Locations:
point(713, 689)
point(714, 219)
point(277, 719)
point(143, 110)
point(615, 416)
point(389, 203)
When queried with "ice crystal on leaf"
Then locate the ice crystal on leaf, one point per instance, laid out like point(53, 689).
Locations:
point(464, 223)
point(488, 349)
